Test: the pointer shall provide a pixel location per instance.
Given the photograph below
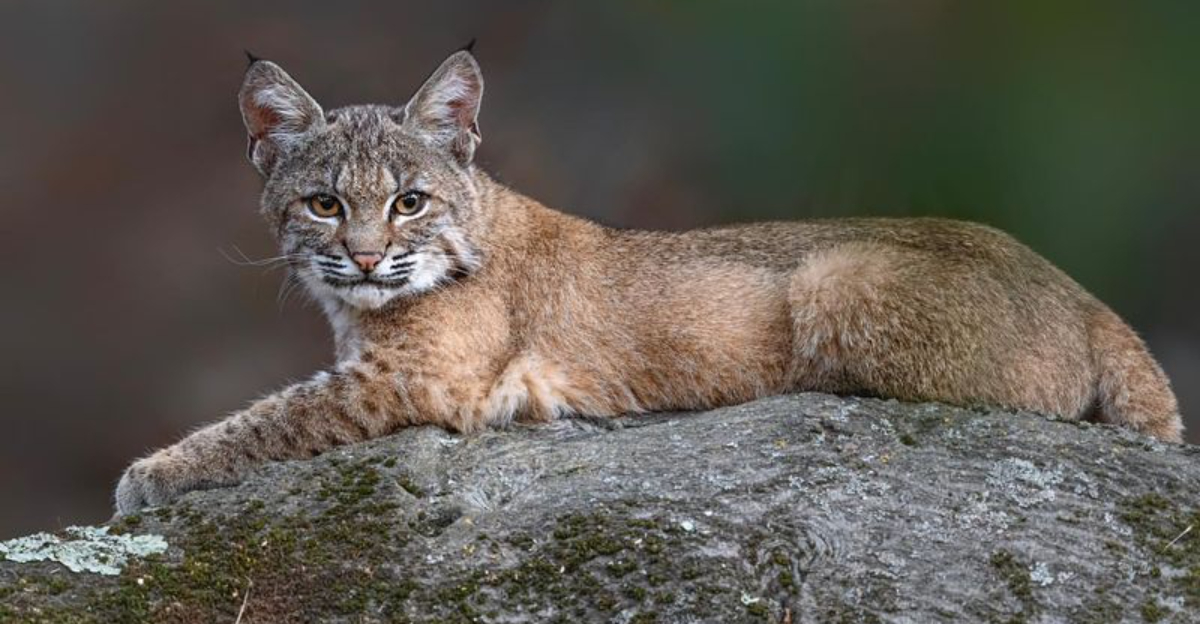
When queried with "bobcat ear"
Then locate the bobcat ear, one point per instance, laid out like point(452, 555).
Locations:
point(277, 113)
point(446, 108)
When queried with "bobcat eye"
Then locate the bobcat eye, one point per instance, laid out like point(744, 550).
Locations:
point(411, 203)
point(325, 206)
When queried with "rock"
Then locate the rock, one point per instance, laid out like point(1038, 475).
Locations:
point(805, 508)
point(84, 549)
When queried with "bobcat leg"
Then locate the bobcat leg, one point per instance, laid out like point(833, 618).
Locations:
point(301, 421)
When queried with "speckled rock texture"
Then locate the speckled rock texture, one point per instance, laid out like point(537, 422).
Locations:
point(805, 508)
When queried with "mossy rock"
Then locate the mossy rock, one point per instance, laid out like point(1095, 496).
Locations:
point(805, 508)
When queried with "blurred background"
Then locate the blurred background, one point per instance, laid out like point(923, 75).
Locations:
point(1072, 125)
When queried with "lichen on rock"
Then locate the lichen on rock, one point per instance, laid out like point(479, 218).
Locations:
point(84, 549)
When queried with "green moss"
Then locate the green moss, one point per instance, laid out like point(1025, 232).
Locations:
point(1016, 577)
point(620, 568)
point(1141, 510)
point(1152, 611)
point(338, 561)
point(1100, 609)
point(56, 585)
point(408, 485)
point(7, 610)
point(521, 541)
point(583, 538)
point(458, 592)
point(356, 483)
point(125, 524)
point(292, 563)
point(1169, 534)
point(566, 570)
point(432, 522)
point(786, 579)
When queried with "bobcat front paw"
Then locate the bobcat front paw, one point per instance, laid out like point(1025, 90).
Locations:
point(150, 482)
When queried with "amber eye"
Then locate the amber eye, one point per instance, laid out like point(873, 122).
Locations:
point(325, 206)
point(411, 203)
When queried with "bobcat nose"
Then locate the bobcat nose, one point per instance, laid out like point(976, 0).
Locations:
point(366, 260)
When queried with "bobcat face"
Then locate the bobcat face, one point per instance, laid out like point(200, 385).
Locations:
point(370, 203)
point(372, 212)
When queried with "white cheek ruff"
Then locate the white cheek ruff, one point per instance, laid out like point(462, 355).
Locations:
point(428, 272)
point(320, 289)
point(368, 296)
point(364, 296)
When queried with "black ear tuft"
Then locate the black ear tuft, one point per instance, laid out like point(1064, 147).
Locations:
point(251, 58)
point(470, 47)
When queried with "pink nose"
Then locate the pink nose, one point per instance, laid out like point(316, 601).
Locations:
point(366, 260)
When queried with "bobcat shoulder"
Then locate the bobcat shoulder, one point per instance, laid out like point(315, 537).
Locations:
point(458, 302)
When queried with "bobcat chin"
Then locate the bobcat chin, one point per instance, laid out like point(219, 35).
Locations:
point(458, 302)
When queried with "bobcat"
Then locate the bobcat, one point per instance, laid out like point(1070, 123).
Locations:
point(458, 302)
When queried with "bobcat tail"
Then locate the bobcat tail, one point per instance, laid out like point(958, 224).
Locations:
point(1131, 388)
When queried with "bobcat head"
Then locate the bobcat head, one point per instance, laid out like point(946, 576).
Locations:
point(369, 203)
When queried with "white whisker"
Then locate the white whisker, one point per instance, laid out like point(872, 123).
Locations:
point(286, 288)
point(271, 263)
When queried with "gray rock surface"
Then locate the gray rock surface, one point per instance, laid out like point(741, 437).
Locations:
point(806, 508)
